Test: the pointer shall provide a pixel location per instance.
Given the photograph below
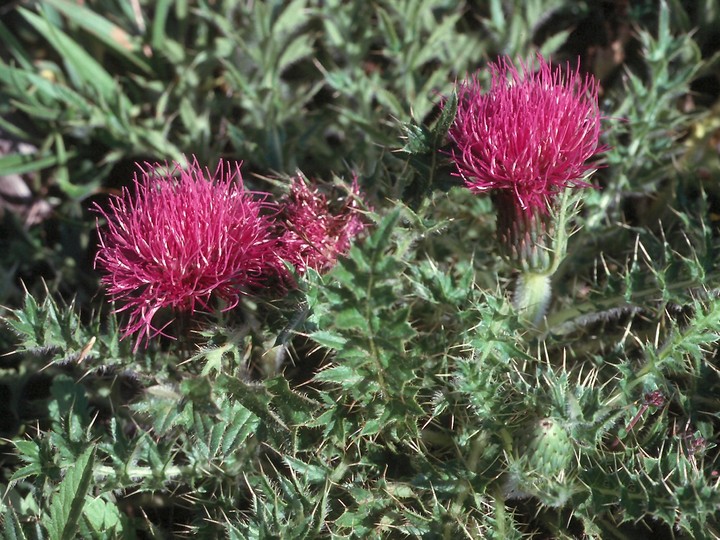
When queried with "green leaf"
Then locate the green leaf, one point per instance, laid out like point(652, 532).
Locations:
point(418, 139)
point(34, 469)
point(30, 452)
point(19, 52)
point(342, 375)
point(396, 326)
point(242, 423)
point(292, 17)
point(68, 501)
point(69, 409)
point(254, 397)
point(158, 38)
point(328, 339)
point(380, 239)
point(82, 68)
point(291, 404)
point(447, 117)
point(25, 163)
point(298, 49)
point(112, 35)
point(219, 436)
point(103, 517)
point(351, 319)
point(12, 529)
point(197, 389)
point(312, 474)
point(163, 407)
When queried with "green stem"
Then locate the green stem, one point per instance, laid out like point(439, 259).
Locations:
point(374, 352)
point(172, 471)
point(465, 487)
point(501, 516)
point(533, 287)
point(560, 241)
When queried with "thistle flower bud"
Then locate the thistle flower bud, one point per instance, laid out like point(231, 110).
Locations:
point(312, 233)
point(542, 462)
point(546, 447)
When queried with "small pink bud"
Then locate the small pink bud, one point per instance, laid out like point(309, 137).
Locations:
point(313, 234)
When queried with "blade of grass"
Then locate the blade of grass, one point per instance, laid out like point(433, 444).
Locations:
point(25, 163)
point(115, 37)
point(83, 69)
point(16, 49)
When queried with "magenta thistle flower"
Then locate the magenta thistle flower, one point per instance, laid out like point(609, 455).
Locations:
point(530, 135)
point(312, 234)
point(179, 241)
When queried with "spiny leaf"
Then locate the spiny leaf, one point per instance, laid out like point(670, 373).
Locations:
point(447, 116)
point(12, 529)
point(312, 474)
point(351, 319)
point(242, 423)
point(69, 409)
point(328, 339)
point(68, 501)
point(254, 397)
point(104, 517)
point(419, 139)
point(343, 375)
point(291, 404)
point(380, 238)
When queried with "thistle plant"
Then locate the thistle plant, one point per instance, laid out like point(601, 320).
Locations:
point(527, 142)
point(347, 365)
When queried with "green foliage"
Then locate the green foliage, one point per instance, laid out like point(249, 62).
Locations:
point(507, 25)
point(12, 527)
point(645, 142)
point(67, 503)
point(51, 330)
point(371, 345)
point(396, 395)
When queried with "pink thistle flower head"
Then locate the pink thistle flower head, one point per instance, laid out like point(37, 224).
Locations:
point(530, 135)
point(312, 233)
point(185, 236)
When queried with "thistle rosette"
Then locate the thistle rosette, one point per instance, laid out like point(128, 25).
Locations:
point(313, 233)
point(184, 237)
point(527, 142)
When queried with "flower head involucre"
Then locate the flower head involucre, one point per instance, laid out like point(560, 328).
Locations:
point(178, 241)
point(530, 135)
point(313, 236)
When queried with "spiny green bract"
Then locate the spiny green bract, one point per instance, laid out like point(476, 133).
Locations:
point(542, 464)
